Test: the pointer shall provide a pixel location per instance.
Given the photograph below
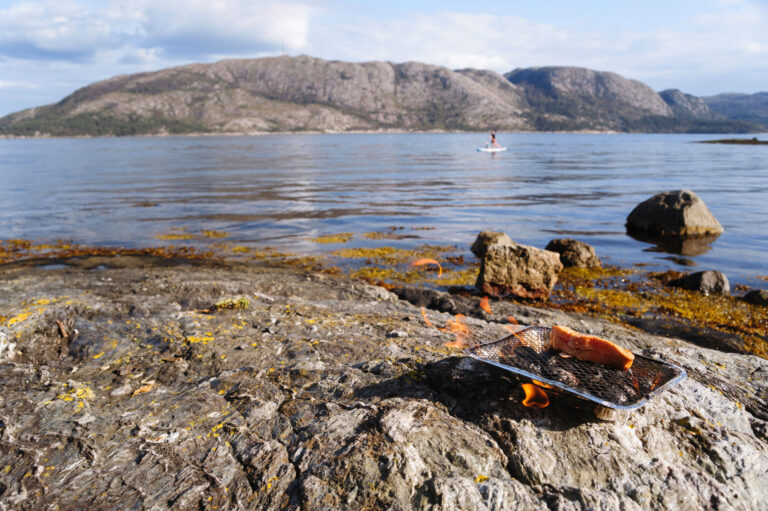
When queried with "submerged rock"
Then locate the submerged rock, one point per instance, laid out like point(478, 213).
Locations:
point(303, 401)
point(574, 253)
point(676, 213)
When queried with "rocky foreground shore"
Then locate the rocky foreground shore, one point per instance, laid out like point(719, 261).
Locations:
point(144, 383)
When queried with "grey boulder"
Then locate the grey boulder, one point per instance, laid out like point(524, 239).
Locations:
point(676, 213)
point(508, 268)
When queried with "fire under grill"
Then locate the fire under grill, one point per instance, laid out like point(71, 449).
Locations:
point(527, 353)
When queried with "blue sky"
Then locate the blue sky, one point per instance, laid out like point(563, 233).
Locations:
point(49, 48)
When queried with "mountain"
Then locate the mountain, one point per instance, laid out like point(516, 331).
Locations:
point(572, 98)
point(687, 105)
point(309, 94)
point(746, 107)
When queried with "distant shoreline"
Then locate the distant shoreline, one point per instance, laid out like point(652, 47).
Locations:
point(350, 132)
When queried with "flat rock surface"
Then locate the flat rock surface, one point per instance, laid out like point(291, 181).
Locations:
point(125, 387)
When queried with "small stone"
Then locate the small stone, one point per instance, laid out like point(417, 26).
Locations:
point(707, 282)
point(392, 334)
point(574, 253)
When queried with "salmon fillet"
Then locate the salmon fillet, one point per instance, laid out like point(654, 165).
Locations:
point(590, 348)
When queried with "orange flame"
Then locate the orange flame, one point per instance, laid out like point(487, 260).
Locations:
point(419, 262)
point(512, 326)
point(424, 315)
point(460, 330)
point(485, 305)
point(542, 384)
point(656, 380)
point(535, 397)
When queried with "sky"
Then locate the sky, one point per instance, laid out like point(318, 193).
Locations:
point(49, 48)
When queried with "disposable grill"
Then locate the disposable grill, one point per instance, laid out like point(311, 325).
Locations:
point(527, 352)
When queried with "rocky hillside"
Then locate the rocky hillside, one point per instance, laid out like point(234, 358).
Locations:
point(747, 107)
point(309, 94)
point(687, 105)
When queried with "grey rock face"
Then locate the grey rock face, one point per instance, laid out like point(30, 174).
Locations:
point(677, 213)
point(303, 93)
point(588, 83)
point(686, 105)
point(254, 409)
point(757, 297)
point(707, 282)
point(574, 253)
point(508, 268)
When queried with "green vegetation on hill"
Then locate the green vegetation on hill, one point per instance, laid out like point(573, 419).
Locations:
point(98, 124)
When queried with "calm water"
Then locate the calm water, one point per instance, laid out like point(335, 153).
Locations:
point(283, 190)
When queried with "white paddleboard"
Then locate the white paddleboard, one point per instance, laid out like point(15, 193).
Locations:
point(491, 149)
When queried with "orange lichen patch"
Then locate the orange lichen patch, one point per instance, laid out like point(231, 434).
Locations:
point(423, 261)
point(203, 339)
point(535, 397)
point(512, 320)
point(78, 394)
point(147, 387)
point(18, 318)
point(485, 305)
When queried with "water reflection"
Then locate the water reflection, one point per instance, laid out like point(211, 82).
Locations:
point(688, 246)
point(283, 190)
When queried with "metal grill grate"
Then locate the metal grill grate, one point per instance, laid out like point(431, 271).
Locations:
point(527, 353)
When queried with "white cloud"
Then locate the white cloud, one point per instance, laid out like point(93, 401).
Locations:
point(191, 29)
point(53, 29)
point(729, 39)
point(18, 85)
point(212, 27)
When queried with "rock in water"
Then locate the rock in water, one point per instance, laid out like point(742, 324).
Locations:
point(757, 297)
point(677, 213)
point(574, 253)
point(707, 282)
point(508, 268)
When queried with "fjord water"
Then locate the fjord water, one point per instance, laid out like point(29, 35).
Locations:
point(284, 190)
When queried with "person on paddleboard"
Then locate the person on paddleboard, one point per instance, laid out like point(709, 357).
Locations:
point(493, 139)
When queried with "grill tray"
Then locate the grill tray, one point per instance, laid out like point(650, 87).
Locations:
point(527, 353)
